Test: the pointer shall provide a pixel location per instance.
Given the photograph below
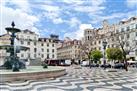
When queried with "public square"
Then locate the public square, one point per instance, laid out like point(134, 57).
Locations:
point(80, 79)
point(68, 45)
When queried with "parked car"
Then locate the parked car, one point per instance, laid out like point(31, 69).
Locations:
point(85, 63)
point(119, 66)
point(106, 66)
point(94, 65)
point(132, 63)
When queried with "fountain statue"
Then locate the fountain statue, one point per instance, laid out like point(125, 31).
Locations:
point(13, 62)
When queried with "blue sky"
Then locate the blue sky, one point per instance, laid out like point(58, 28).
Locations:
point(67, 18)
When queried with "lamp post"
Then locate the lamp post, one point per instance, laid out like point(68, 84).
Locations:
point(104, 58)
point(88, 52)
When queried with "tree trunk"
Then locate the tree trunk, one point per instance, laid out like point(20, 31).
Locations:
point(125, 60)
point(125, 63)
point(89, 61)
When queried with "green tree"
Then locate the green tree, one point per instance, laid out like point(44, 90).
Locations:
point(114, 54)
point(96, 55)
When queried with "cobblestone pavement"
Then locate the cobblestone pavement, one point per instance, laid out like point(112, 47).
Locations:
point(80, 79)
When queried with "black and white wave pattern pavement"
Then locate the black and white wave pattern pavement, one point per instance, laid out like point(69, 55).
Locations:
point(83, 79)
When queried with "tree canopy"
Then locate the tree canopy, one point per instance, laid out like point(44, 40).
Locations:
point(96, 55)
point(114, 54)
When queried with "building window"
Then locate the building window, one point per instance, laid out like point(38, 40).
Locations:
point(117, 31)
point(42, 49)
point(112, 45)
point(42, 55)
point(111, 34)
point(35, 43)
point(122, 37)
point(49, 40)
point(88, 37)
point(22, 55)
point(47, 44)
point(128, 28)
point(28, 43)
point(42, 44)
point(47, 56)
point(53, 56)
point(128, 36)
point(112, 39)
point(122, 29)
point(99, 41)
point(117, 46)
point(35, 55)
point(39, 53)
point(52, 45)
point(53, 50)
point(95, 42)
point(35, 49)
point(136, 26)
point(22, 42)
point(47, 50)
point(28, 55)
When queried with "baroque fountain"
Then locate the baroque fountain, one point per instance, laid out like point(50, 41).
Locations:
point(16, 70)
point(13, 62)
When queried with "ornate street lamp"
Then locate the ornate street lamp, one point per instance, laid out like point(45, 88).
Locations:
point(104, 48)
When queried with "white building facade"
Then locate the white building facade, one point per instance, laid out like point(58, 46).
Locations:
point(126, 30)
point(39, 48)
point(69, 50)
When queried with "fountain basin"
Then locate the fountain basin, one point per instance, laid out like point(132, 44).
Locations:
point(31, 73)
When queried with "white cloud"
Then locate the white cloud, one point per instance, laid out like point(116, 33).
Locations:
point(98, 18)
point(74, 22)
point(54, 17)
point(23, 5)
point(50, 8)
point(97, 2)
point(57, 21)
point(75, 2)
point(89, 9)
point(131, 3)
point(22, 19)
point(53, 13)
point(85, 26)
point(2, 3)
point(79, 33)
point(89, 6)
